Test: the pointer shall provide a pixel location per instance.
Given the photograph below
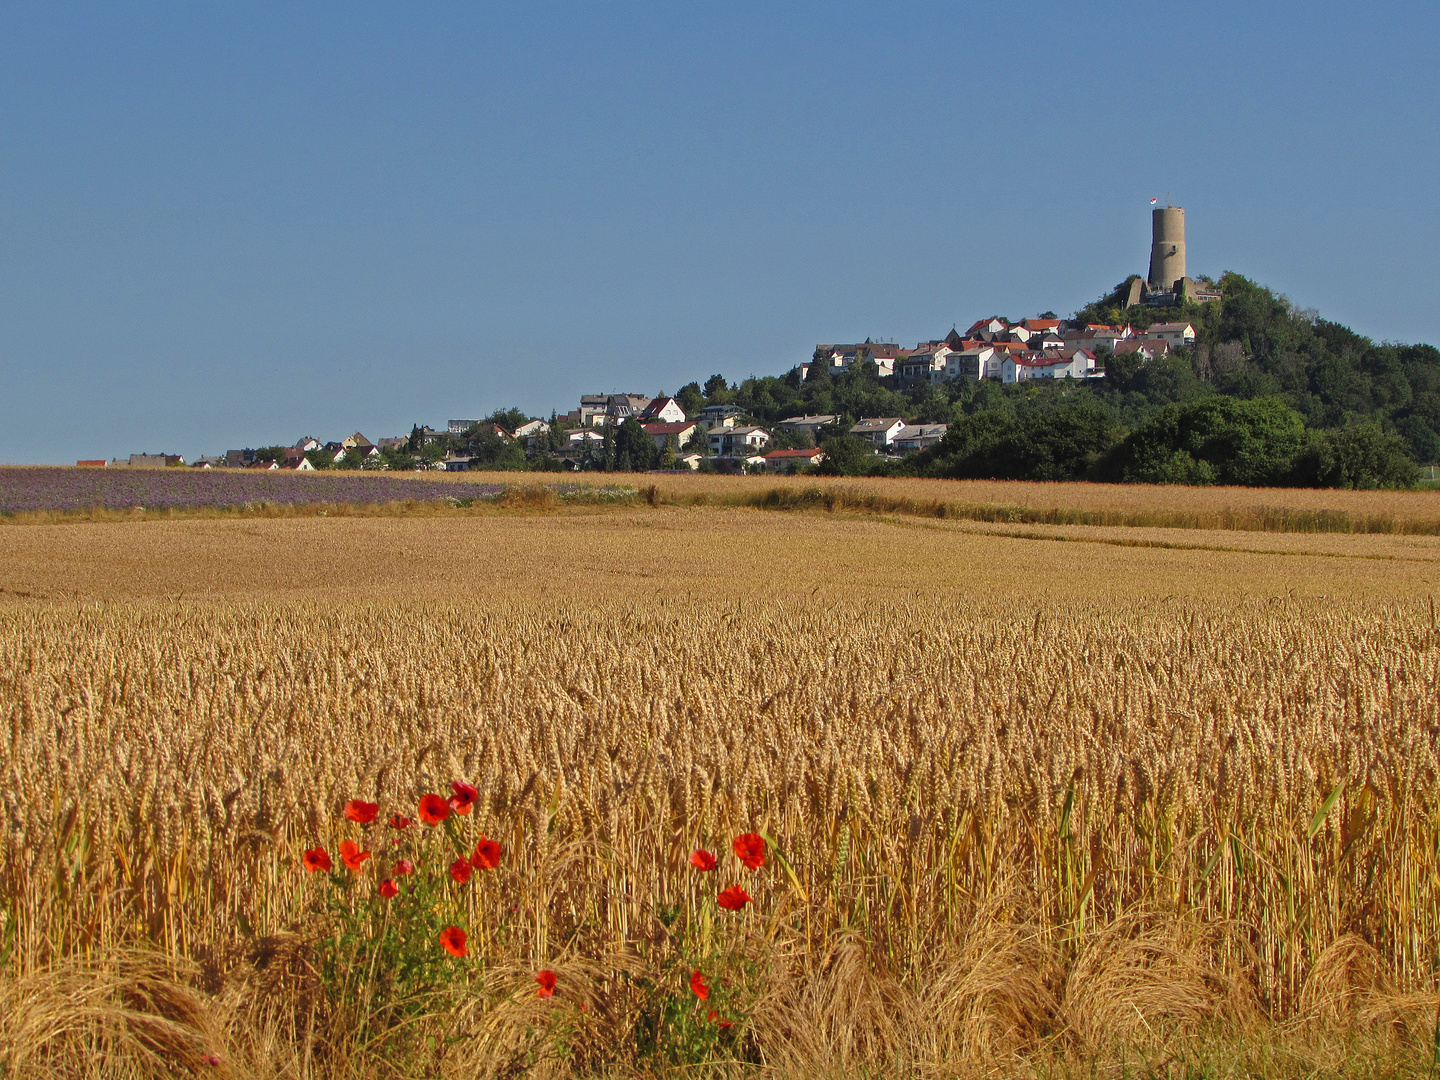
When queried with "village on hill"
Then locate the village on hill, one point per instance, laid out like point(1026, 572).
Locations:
point(1166, 379)
point(723, 437)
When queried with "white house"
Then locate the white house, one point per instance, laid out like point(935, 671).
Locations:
point(781, 461)
point(663, 410)
point(917, 437)
point(925, 366)
point(681, 431)
point(879, 430)
point(1030, 365)
point(583, 437)
point(532, 427)
point(1144, 347)
point(736, 441)
point(720, 416)
point(812, 424)
point(993, 325)
point(364, 452)
point(968, 364)
point(1173, 333)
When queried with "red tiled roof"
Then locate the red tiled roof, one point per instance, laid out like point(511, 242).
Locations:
point(90, 463)
point(674, 427)
point(794, 453)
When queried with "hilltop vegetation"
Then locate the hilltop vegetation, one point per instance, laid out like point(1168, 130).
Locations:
point(1269, 394)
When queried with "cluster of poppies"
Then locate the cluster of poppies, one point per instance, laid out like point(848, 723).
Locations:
point(434, 809)
point(749, 848)
point(701, 989)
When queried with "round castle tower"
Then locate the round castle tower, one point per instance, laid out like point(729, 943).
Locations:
point(1167, 248)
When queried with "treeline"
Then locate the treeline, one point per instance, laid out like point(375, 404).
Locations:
point(1217, 440)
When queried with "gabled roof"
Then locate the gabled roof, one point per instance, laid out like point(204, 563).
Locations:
point(674, 427)
point(878, 423)
point(981, 324)
point(811, 452)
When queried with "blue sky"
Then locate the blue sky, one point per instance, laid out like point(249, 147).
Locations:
point(227, 225)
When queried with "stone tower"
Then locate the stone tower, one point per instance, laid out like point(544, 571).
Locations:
point(1167, 247)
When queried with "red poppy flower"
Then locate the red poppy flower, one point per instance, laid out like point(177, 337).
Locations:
point(546, 979)
point(388, 888)
point(453, 939)
point(316, 859)
point(734, 898)
point(403, 867)
point(352, 856)
point(487, 854)
point(750, 850)
point(433, 809)
point(697, 985)
point(464, 797)
point(461, 870)
point(715, 1018)
point(400, 821)
point(701, 859)
point(360, 812)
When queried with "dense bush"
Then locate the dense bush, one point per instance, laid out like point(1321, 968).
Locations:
point(1215, 441)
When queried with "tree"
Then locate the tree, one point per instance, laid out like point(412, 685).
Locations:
point(1064, 442)
point(509, 419)
point(846, 455)
point(717, 390)
point(635, 451)
point(1215, 441)
point(490, 450)
point(1362, 456)
point(690, 398)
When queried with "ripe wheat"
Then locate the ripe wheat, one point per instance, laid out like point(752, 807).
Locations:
point(1083, 828)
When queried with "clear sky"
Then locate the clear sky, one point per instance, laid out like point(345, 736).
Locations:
point(233, 224)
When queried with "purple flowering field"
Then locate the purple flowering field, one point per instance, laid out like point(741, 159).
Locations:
point(65, 489)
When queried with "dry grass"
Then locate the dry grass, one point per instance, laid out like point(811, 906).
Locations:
point(1048, 812)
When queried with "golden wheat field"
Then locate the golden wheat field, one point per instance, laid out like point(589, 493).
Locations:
point(1051, 800)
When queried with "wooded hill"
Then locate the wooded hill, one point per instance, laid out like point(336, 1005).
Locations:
point(1269, 393)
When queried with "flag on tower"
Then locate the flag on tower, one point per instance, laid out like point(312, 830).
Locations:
point(1154, 201)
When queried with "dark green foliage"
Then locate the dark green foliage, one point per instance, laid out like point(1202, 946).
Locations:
point(509, 419)
point(690, 398)
point(1216, 441)
point(634, 450)
point(489, 450)
point(848, 455)
point(1067, 442)
point(1361, 456)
